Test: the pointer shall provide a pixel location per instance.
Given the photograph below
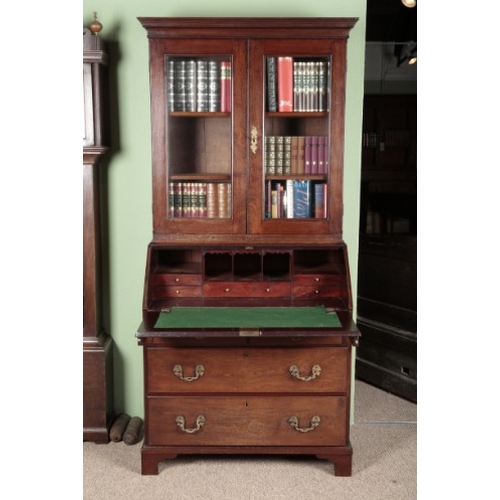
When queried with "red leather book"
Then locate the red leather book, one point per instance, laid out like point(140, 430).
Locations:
point(285, 84)
point(225, 87)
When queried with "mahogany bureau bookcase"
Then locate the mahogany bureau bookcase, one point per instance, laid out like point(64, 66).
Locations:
point(247, 328)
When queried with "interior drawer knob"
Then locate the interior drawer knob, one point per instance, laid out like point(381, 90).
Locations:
point(294, 423)
point(199, 370)
point(315, 372)
point(181, 422)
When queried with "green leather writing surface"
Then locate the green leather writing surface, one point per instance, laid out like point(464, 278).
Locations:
point(248, 317)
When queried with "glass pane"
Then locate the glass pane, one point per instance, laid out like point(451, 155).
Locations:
point(199, 137)
point(296, 145)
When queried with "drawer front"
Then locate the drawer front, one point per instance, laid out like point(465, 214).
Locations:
point(331, 280)
point(246, 289)
point(252, 421)
point(175, 279)
point(315, 291)
point(323, 369)
point(175, 291)
point(316, 285)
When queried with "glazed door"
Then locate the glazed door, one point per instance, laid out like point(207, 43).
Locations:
point(198, 107)
point(296, 136)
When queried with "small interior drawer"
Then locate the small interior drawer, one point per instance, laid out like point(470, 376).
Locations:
point(246, 289)
point(175, 279)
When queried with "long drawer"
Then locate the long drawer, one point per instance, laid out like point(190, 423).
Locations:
point(251, 420)
point(300, 370)
point(246, 289)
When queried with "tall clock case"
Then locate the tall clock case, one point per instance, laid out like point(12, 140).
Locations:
point(97, 344)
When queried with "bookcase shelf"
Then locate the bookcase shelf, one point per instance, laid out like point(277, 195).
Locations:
point(296, 114)
point(311, 177)
point(199, 114)
point(201, 177)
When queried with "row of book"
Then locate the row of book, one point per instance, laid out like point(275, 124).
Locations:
point(386, 223)
point(206, 200)
point(370, 139)
point(296, 155)
point(394, 138)
point(296, 85)
point(296, 199)
point(199, 85)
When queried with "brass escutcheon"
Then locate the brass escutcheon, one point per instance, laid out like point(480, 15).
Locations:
point(254, 140)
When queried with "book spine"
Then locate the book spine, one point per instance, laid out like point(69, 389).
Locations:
point(285, 84)
point(279, 200)
point(171, 84)
point(322, 83)
point(224, 200)
point(280, 154)
point(308, 155)
point(307, 87)
point(186, 199)
point(287, 155)
point(325, 200)
point(196, 199)
point(202, 86)
point(294, 155)
point(171, 191)
point(274, 204)
point(225, 86)
point(302, 203)
point(319, 200)
point(221, 198)
point(317, 93)
point(271, 155)
point(202, 200)
point(268, 214)
point(177, 199)
point(296, 86)
point(212, 202)
point(299, 86)
point(190, 85)
point(213, 86)
point(180, 85)
point(321, 154)
point(229, 200)
point(314, 154)
point(271, 84)
point(289, 199)
point(229, 85)
point(301, 155)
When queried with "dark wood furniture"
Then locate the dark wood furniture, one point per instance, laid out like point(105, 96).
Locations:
point(278, 381)
point(97, 344)
point(387, 284)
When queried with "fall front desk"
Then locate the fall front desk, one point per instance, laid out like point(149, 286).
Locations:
point(248, 380)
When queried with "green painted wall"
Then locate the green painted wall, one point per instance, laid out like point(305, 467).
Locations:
point(127, 172)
